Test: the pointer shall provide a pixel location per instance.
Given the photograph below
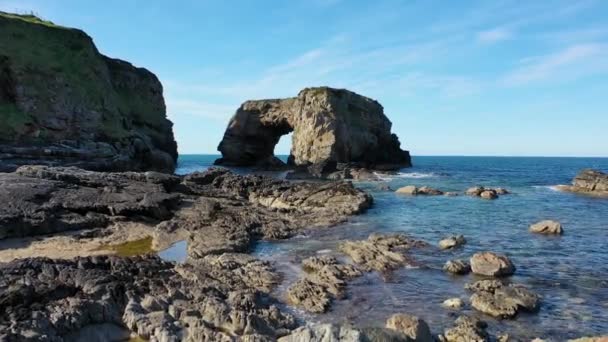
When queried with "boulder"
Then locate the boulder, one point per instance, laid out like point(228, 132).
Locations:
point(407, 190)
point(452, 242)
point(460, 267)
point(453, 303)
point(330, 126)
point(547, 227)
point(83, 109)
point(502, 301)
point(425, 190)
point(411, 326)
point(475, 191)
point(467, 329)
point(486, 193)
point(491, 264)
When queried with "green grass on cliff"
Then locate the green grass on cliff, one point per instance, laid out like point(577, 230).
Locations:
point(30, 18)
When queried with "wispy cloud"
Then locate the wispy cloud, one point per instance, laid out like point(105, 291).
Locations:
point(494, 35)
point(571, 62)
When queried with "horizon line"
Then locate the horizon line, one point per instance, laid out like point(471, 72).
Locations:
point(446, 155)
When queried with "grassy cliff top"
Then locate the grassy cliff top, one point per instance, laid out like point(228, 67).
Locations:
point(30, 18)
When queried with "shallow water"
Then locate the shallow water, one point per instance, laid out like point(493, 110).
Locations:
point(570, 272)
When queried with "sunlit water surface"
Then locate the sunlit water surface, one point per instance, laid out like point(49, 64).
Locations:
point(569, 272)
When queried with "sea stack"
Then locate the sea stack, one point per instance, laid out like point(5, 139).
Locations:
point(64, 103)
point(331, 127)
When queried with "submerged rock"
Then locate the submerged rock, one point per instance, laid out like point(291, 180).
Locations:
point(380, 252)
point(324, 333)
point(547, 227)
point(503, 301)
point(491, 264)
point(467, 329)
point(460, 267)
point(325, 279)
point(83, 109)
point(411, 326)
point(452, 242)
point(330, 126)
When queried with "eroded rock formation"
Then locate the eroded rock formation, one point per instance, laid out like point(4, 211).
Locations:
point(592, 182)
point(330, 127)
point(64, 103)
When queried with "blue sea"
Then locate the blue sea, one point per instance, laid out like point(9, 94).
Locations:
point(570, 272)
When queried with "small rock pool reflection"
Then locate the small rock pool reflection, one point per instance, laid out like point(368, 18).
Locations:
point(570, 272)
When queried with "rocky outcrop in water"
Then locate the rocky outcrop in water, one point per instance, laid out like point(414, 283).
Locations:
point(503, 301)
point(592, 182)
point(332, 129)
point(547, 227)
point(63, 103)
point(381, 252)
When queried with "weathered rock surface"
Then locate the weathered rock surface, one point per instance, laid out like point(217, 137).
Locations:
point(460, 267)
point(503, 301)
point(588, 181)
point(491, 264)
point(413, 327)
point(64, 103)
point(217, 211)
point(330, 126)
point(452, 242)
point(381, 252)
point(324, 333)
point(217, 294)
point(51, 299)
point(467, 329)
point(547, 227)
point(325, 279)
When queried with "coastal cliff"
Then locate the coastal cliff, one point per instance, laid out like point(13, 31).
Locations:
point(330, 127)
point(64, 103)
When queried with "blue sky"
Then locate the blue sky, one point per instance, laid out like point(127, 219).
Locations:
point(455, 77)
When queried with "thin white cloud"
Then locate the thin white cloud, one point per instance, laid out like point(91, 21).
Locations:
point(571, 62)
point(494, 35)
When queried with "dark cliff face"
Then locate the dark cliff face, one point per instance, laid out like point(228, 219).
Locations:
point(63, 103)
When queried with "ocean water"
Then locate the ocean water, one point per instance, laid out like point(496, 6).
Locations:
point(570, 272)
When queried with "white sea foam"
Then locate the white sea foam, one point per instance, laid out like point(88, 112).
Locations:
point(548, 187)
point(415, 175)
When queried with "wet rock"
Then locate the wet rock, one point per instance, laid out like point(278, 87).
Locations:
point(377, 334)
point(591, 339)
point(325, 279)
point(459, 267)
point(502, 301)
point(491, 264)
point(324, 333)
point(407, 190)
point(488, 194)
point(411, 326)
point(467, 329)
point(547, 227)
point(452, 242)
point(453, 303)
point(330, 126)
point(381, 252)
